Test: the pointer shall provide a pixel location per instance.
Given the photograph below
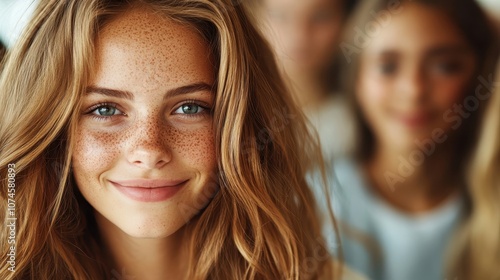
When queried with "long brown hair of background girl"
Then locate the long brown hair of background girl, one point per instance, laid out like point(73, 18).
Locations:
point(477, 255)
point(262, 224)
point(483, 242)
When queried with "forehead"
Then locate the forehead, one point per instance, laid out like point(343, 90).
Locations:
point(141, 47)
point(415, 29)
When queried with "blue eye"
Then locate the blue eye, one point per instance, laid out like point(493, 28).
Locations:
point(190, 109)
point(104, 111)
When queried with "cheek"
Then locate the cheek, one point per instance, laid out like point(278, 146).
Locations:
point(372, 93)
point(195, 147)
point(373, 98)
point(449, 92)
point(94, 153)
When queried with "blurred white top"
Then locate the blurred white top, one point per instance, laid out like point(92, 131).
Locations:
point(14, 16)
point(412, 247)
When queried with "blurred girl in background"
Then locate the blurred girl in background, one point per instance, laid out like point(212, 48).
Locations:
point(305, 36)
point(413, 68)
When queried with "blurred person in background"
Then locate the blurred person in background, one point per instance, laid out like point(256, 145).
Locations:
point(477, 252)
point(305, 37)
point(413, 69)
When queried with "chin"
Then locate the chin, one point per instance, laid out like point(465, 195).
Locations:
point(149, 231)
point(148, 226)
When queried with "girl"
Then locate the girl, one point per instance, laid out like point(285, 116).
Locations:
point(305, 36)
point(152, 139)
point(414, 67)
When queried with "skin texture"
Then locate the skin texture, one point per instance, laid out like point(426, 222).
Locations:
point(404, 89)
point(147, 136)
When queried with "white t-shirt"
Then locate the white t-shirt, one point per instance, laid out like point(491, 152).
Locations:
point(412, 247)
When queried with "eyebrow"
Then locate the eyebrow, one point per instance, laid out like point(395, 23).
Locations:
point(444, 50)
point(434, 51)
point(201, 86)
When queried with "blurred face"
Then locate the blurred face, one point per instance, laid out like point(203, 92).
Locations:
point(144, 154)
point(304, 34)
point(412, 72)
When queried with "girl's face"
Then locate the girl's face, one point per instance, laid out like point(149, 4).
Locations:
point(144, 155)
point(412, 74)
point(303, 33)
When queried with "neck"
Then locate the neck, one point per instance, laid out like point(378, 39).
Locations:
point(144, 258)
point(410, 184)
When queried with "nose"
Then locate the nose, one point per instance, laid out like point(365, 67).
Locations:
point(148, 148)
point(413, 86)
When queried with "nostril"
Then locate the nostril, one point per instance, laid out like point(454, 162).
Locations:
point(146, 156)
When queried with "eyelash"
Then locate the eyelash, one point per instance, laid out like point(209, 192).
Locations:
point(203, 105)
point(99, 105)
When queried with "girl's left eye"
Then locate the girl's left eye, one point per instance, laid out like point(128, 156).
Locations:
point(190, 109)
point(447, 67)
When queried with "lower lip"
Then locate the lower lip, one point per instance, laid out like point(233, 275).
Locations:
point(416, 122)
point(149, 194)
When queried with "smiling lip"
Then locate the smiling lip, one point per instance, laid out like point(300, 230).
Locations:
point(146, 190)
point(416, 120)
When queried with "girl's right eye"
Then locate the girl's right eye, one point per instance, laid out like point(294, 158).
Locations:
point(388, 68)
point(447, 68)
point(104, 111)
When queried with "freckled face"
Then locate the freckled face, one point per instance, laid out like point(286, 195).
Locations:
point(405, 86)
point(144, 155)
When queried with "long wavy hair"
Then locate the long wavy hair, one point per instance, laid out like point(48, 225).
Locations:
point(263, 222)
point(477, 253)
